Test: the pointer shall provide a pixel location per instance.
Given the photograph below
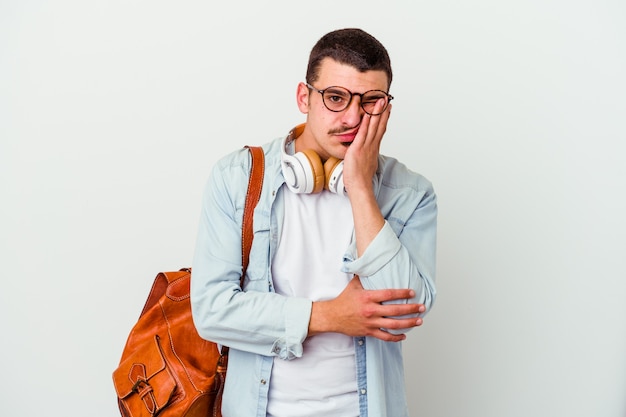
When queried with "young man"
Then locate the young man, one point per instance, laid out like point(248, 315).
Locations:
point(343, 257)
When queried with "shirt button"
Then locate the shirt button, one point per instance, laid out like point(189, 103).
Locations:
point(263, 382)
point(363, 391)
point(361, 342)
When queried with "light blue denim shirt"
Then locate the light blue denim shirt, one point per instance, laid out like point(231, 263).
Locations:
point(259, 325)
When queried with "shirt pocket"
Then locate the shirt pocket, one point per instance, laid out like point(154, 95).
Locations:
point(258, 267)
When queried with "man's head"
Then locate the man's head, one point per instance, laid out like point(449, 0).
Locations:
point(352, 47)
point(348, 76)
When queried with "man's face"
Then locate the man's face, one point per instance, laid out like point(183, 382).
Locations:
point(330, 133)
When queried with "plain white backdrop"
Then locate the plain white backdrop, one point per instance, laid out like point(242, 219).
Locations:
point(113, 112)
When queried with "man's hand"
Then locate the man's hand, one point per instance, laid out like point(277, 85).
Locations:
point(361, 159)
point(360, 312)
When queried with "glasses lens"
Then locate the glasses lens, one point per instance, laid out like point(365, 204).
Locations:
point(336, 98)
point(369, 100)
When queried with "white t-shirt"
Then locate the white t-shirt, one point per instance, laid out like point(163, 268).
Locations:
point(317, 229)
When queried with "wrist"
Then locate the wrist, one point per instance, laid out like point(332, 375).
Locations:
point(319, 322)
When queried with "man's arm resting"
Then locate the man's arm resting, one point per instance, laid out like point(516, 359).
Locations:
point(360, 312)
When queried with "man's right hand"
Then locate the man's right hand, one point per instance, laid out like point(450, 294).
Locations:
point(360, 312)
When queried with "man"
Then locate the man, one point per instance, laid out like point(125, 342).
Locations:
point(338, 271)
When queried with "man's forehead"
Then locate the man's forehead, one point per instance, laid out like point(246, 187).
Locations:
point(335, 73)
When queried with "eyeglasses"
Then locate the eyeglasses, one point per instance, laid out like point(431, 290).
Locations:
point(338, 99)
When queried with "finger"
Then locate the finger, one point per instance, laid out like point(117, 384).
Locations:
point(397, 310)
point(380, 296)
point(377, 125)
point(391, 323)
point(388, 337)
point(361, 135)
point(384, 118)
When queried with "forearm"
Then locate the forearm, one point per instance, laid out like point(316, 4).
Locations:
point(261, 322)
point(368, 220)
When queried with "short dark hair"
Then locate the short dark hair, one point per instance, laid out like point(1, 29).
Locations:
point(352, 47)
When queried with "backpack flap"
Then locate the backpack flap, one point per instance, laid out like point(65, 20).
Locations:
point(143, 383)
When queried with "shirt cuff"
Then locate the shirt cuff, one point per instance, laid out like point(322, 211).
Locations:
point(297, 317)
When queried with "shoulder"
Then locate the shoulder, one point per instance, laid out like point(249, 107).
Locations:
point(394, 174)
point(404, 194)
point(237, 163)
point(229, 175)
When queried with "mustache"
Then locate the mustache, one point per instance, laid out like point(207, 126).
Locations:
point(341, 130)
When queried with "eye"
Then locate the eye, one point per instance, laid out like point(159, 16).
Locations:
point(371, 98)
point(335, 99)
point(336, 96)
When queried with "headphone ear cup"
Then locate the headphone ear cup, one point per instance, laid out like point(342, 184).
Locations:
point(317, 169)
point(333, 172)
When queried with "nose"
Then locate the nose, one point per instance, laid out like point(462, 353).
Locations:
point(353, 114)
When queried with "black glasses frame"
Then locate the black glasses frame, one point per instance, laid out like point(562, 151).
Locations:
point(389, 98)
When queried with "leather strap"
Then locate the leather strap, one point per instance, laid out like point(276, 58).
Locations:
point(255, 185)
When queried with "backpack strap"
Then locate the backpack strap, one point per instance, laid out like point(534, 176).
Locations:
point(255, 185)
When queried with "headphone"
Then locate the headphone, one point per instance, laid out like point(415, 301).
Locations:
point(304, 171)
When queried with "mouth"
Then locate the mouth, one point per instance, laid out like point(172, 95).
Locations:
point(346, 137)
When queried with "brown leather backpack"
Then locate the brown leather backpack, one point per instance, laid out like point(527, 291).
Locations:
point(167, 369)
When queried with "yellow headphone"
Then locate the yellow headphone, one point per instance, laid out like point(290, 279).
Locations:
point(304, 171)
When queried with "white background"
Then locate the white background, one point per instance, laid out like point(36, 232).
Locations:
point(113, 112)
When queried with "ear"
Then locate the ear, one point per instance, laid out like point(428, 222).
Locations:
point(302, 98)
